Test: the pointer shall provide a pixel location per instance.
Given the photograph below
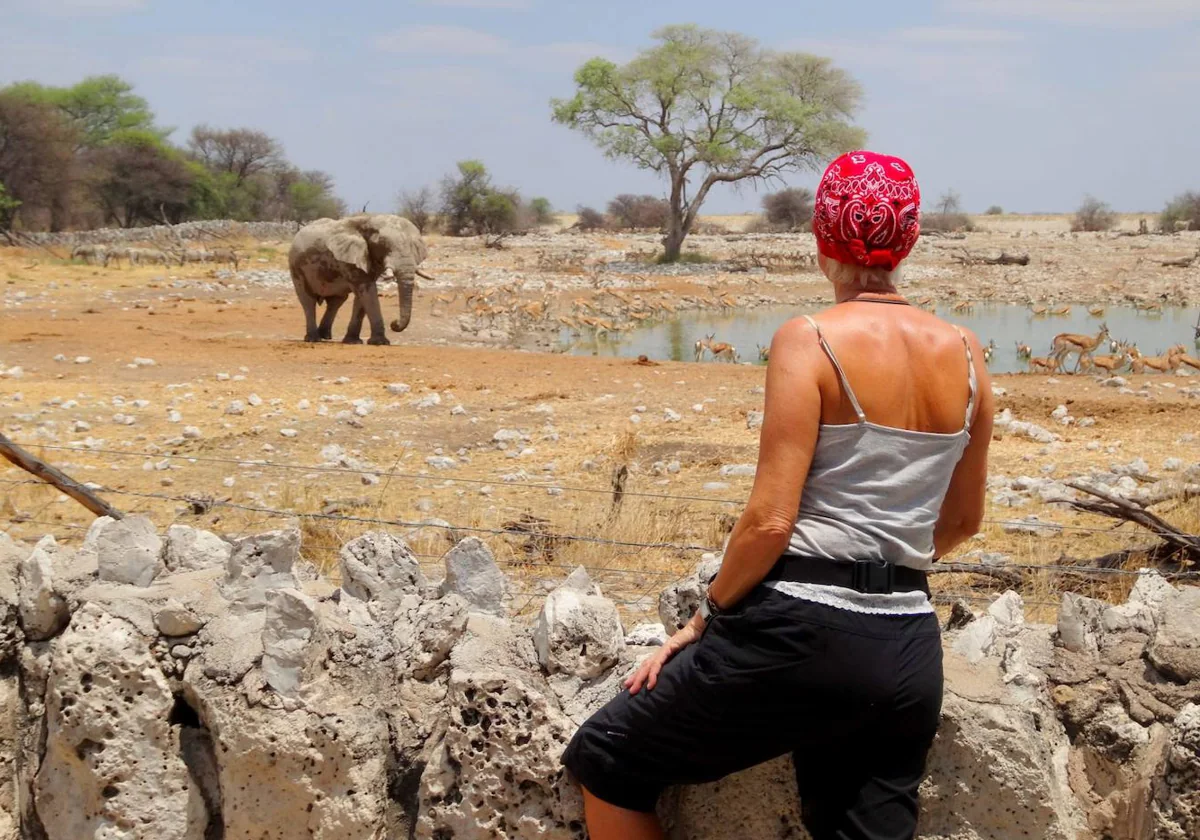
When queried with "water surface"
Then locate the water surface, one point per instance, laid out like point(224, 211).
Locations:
point(1006, 324)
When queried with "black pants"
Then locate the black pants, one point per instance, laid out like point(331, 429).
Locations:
point(856, 698)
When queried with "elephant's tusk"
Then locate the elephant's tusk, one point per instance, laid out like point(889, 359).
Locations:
point(425, 276)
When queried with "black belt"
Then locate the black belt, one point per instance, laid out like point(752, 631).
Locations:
point(861, 576)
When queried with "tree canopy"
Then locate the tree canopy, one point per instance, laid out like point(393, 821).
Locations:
point(703, 108)
point(92, 154)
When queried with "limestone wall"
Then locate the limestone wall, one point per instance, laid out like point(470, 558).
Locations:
point(181, 687)
point(207, 231)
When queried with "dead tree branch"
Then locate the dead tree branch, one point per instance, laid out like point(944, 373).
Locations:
point(53, 476)
point(1003, 258)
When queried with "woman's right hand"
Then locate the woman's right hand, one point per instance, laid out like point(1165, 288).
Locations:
point(647, 673)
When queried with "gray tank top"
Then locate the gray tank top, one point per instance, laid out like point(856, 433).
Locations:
point(873, 493)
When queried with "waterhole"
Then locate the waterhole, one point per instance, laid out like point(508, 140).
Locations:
point(1005, 324)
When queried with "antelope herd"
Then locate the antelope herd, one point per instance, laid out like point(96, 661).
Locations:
point(106, 256)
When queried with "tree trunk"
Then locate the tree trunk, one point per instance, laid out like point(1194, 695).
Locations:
point(673, 241)
point(676, 230)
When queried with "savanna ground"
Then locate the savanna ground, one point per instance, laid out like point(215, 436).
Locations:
point(216, 338)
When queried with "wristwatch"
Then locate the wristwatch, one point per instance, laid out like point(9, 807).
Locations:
point(708, 608)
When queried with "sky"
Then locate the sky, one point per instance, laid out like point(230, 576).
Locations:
point(1026, 104)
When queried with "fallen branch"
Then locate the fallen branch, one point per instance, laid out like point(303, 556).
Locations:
point(1004, 258)
point(1009, 577)
point(1115, 507)
point(53, 476)
point(1182, 262)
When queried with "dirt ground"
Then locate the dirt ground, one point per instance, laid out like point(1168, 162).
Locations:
point(478, 435)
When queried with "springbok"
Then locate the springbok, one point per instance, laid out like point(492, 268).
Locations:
point(1108, 364)
point(1162, 364)
point(1024, 351)
point(989, 351)
point(764, 353)
point(701, 344)
point(1040, 364)
point(963, 306)
point(1095, 311)
point(1038, 309)
point(719, 349)
point(1061, 311)
point(1065, 344)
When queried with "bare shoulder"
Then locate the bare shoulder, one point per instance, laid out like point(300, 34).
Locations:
point(794, 336)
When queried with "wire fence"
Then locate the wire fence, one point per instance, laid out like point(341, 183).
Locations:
point(634, 570)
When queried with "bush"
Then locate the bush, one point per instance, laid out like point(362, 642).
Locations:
point(590, 219)
point(417, 207)
point(994, 210)
point(1182, 213)
point(542, 211)
point(639, 212)
point(1093, 215)
point(790, 209)
point(948, 215)
point(471, 205)
point(759, 224)
point(687, 258)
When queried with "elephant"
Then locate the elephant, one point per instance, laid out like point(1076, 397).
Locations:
point(331, 259)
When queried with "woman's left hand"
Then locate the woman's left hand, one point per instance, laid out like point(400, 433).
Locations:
point(647, 673)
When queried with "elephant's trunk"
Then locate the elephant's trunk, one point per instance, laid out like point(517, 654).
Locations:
point(404, 284)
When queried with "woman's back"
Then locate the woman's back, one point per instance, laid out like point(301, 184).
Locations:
point(897, 398)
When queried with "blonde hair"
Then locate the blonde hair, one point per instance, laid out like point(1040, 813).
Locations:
point(860, 278)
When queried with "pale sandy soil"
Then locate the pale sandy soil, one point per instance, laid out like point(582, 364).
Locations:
point(198, 327)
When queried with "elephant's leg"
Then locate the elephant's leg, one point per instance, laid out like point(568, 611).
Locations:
point(309, 304)
point(354, 328)
point(370, 304)
point(332, 305)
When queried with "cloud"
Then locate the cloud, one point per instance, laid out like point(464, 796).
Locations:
point(67, 8)
point(461, 42)
point(1098, 13)
point(480, 4)
point(955, 35)
point(436, 39)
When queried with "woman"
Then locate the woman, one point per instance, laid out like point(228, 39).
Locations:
point(817, 637)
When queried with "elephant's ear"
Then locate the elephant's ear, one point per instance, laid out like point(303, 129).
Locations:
point(350, 248)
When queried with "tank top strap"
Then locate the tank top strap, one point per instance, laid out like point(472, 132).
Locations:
point(862, 418)
point(972, 380)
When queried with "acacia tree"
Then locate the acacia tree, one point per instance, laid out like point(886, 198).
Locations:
point(241, 152)
point(704, 108)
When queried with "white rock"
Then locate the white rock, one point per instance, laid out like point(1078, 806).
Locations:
point(254, 400)
point(738, 471)
point(754, 419)
point(671, 416)
point(398, 388)
point(174, 619)
point(82, 360)
point(578, 632)
point(192, 432)
point(292, 638)
point(288, 433)
point(42, 610)
point(129, 551)
point(647, 635)
point(236, 408)
point(472, 573)
point(191, 549)
point(441, 462)
point(429, 401)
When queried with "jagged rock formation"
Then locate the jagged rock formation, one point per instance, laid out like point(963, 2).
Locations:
point(222, 690)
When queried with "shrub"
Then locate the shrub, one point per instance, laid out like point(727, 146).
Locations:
point(790, 209)
point(687, 258)
point(1181, 213)
point(471, 205)
point(994, 210)
point(590, 219)
point(1093, 215)
point(542, 211)
point(947, 216)
point(417, 207)
point(639, 212)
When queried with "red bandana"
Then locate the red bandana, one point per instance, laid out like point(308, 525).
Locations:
point(867, 210)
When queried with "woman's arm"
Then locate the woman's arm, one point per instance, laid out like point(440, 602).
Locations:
point(791, 420)
point(962, 511)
